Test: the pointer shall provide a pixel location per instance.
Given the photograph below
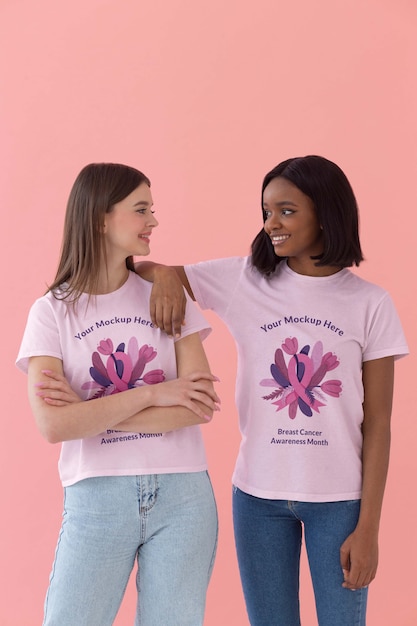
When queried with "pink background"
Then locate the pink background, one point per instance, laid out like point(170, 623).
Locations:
point(205, 97)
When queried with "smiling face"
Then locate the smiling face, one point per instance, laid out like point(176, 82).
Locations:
point(292, 224)
point(129, 225)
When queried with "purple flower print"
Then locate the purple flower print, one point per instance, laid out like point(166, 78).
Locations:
point(297, 383)
point(121, 370)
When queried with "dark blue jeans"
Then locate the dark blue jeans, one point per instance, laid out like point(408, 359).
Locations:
point(268, 535)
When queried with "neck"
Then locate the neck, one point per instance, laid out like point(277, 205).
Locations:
point(111, 280)
point(308, 268)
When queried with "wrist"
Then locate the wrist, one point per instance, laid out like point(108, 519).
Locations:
point(161, 270)
point(368, 523)
point(147, 396)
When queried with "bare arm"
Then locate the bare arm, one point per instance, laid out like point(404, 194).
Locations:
point(190, 358)
point(61, 417)
point(359, 553)
point(167, 303)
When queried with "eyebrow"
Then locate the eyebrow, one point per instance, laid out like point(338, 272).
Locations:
point(282, 203)
point(143, 203)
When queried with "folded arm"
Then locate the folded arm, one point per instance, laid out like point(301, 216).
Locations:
point(61, 415)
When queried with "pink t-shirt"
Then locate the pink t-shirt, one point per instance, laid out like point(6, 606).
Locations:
point(108, 347)
point(301, 342)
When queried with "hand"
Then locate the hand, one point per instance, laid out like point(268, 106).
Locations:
point(188, 391)
point(56, 391)
point(167, 301)
point(359, 559)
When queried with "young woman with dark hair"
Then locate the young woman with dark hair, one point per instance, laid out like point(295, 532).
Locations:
point(132, 461)
point(335, 207)
point(314, 393)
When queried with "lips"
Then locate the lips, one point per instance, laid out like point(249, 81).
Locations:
point(277, 239)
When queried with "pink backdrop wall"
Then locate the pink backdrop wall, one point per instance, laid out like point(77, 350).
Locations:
point(205, 97)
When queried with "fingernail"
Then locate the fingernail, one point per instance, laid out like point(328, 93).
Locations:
point(207, 417)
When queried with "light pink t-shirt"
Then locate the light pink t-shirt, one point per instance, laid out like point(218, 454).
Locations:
point(107, 348)
point(301, 342)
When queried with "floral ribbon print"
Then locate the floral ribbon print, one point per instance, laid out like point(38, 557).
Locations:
point(121, 370)
point(299, 385)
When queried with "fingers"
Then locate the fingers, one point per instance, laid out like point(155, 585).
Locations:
point(203, 383)
point(194, 392)
point(54, 375)
point(53, 402)
point(55, 397)
point(358, 564)
point(358, 577)
point(56, 391)
point(167, 308)
point(169, 318)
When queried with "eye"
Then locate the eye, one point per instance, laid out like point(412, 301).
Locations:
point(143, 210)
point(267, 214)
point(287, 211)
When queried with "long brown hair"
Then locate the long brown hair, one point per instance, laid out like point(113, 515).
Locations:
point(97, 188)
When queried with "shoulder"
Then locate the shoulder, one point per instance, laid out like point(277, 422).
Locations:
point(232, 263)
point(47, 304)
point(370, 291)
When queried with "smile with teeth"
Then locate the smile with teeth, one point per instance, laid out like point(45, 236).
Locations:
point(276, 239)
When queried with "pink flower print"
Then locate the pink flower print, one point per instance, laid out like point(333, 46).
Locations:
point(297, 384)
point(317, 354)
point(105, 346)
point(154, 377)
point(290, 345)
point(119, 369)
point(329, 362)
point(332, 388)
point(140, 357)
point(300, 370)
point(122, 370)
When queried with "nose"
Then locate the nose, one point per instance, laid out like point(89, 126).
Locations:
point(272, 222)
point(152, 221)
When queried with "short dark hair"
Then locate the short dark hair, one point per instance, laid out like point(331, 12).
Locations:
point(335, 204)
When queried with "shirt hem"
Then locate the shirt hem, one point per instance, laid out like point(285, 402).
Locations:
point(131, 472)
point(295, 496)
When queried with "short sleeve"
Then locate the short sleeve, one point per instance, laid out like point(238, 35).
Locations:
point(194, 321)
point(385, 334)
point(41, 335)
point(214, 282)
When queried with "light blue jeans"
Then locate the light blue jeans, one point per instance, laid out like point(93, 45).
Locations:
point(168, 522)
point(268, 535)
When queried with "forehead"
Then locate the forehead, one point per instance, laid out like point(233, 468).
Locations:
point(280, 189)
point(140, 195)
